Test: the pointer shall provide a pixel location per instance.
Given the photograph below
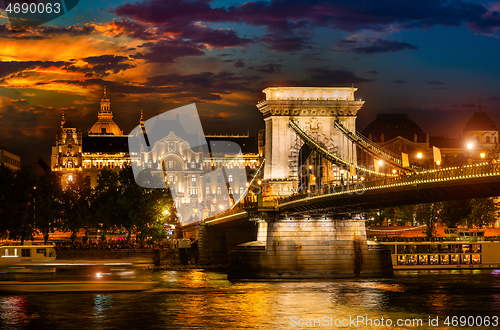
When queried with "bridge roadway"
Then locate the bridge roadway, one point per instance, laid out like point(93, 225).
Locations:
point(470, 181)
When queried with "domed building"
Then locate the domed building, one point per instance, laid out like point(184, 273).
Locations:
point(105, 124)
point(105, 146)
point(481, 130)
point(389, 126)
point(398, 133)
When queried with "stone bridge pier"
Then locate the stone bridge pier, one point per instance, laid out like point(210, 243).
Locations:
point(265, 245)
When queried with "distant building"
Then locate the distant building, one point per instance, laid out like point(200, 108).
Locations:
point(10, 160)
point(105, 146)
point(398, 133)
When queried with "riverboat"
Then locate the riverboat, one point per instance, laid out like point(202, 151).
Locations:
point(11, 254)
point(460, 250)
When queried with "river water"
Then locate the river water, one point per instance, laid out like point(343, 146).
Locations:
point(198, 299)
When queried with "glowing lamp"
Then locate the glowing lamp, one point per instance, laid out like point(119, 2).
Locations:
point(482, 155)
point(419, 155)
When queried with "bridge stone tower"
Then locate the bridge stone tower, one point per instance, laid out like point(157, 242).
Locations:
point(314, 110)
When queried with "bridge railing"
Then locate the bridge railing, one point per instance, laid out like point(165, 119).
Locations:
point(364, 142)
point(359, 187)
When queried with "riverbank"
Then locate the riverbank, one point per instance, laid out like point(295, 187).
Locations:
point(156, 257)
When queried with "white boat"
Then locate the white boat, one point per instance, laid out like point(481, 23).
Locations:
point(465, 251)
point(11, 254)
point(26, 258)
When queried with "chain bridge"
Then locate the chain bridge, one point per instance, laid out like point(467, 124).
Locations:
point(304, 222)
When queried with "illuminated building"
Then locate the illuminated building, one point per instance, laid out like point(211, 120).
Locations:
point(105, 146)
point(10, 160)
point(398, 133)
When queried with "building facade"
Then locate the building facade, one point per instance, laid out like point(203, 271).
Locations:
point(398, 133)
point(195, 178)
point(10, 160)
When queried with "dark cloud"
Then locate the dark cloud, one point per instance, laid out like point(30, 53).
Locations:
point(372, 46)
point(167, 51)
point(383, 46)
point(286, 21)
point(28, 129)
point(7, 68)
point(132, 29)
point(400, 81)
point(435, 82)
point(218, 38)
point(290, 43)
point(268, 68)
point(239, 64)
point(205, 82)
point(373, 72)
point(105, 64)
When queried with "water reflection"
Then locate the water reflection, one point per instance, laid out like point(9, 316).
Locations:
point(198, 299)
point(14, 310)
point(102, 304)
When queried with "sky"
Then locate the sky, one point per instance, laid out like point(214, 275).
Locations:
point(434, 60)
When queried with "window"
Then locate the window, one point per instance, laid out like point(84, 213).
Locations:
point(170, 178)
point(207, 179)
point(193, 178)
point(230, 190)
point(242, 190)
point(207, 190)
point(219, 191)
point(193, 164)
point(478, 139)
point(42, 251)
point(230, 178)
point(170, 164)
point(25, 252)
point(219, 179)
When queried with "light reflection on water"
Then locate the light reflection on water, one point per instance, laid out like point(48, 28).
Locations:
point(207, 300)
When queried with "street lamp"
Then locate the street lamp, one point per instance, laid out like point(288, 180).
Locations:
point(419, 155)
point(482, 155)
point(470, 145)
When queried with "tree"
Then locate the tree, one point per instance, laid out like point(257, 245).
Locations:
point(7, 208)
point(22, 203)
point(483, 212)
point(47, 204)
point(105, 206)
point(428, 214)
point(76, 213)
point(454, 213)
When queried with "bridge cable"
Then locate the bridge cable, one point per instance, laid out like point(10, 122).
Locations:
point(249, 185)
point(367, 145)
point(331, 157)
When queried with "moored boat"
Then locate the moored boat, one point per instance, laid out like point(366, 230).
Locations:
point(463, 249)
